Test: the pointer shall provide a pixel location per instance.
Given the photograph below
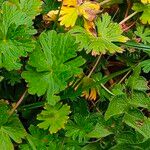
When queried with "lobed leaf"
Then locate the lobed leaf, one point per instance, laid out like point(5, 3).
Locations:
point(10, 128)
point(54, 61)
point(104, 42)
point(54, 117)
point(16, 36)
point(145, 9)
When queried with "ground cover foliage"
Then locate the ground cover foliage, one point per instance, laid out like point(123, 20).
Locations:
point(74, 74)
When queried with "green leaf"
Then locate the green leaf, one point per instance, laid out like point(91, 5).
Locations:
point(138, 121)
point(16, 32)
point(129, 137)
point(100, 130)
point(106, 36)
point(1, 2)
point(145, 65)
point(38, 139)
point(31, 8)
point(12, 77)
point(5, 142)
point(79, 128)
point(118, 105)
point(10, 129)
point(143, 33)
point(50, 5)
point(54, 118)
point(145, 9)
point(118, 89)
point(137, 82)
point(3, 112)
point(54, 61)
point(140, 99)
point(92, 146)
point(125, 147)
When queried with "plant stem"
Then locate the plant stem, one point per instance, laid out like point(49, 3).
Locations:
point(128, 7)
point(96, 107)
point(124, 77)
point(18, 103)
point(99, 57)
point(127, 18)
point(104, 2)
point(57, 17)
point(102, 85)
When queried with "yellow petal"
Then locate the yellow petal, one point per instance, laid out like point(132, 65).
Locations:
point(89, 10)
point(68, 16)
point(50, 16)
point(92, 94)
point(85, 94)
point(145, 1)
point(70, 2)
point(90, 27)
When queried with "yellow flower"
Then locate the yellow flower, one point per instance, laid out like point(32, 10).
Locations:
point(91, 95)
point(69, 2)
point(89, 10)
point(51, 16)
point(145, 1)
point(71, 9)
point(68, 16)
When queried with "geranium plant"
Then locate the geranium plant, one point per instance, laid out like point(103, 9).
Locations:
point(74, 74)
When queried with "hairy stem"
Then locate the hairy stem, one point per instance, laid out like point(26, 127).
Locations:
point(18, 103)
point(128, 8)
point(127, 18)
point(104, 2)
point(99, 57)
point(124, 77)
point(57, 17)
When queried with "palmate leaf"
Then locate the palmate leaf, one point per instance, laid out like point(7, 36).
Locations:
point(30, 7)
point(37, 139)
point(106, 36)
point(145, 65)
point(144, 34)
point(50, 5)
point(54, 117)
point(80, 126)
point(145, 9)
point(54, 63)
point(16, 32)
point(10, 128)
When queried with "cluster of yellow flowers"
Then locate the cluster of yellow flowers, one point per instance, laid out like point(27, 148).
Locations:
point(72, 9)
